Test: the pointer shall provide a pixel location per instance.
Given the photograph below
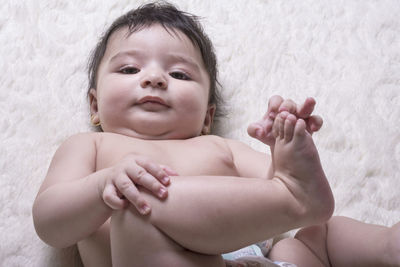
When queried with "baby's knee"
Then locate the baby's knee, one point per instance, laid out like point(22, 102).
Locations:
point(312, 232)
point(132, 237)
point(284, 249)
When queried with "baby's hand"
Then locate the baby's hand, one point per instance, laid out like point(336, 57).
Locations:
point(120, 188)
point(262, 130)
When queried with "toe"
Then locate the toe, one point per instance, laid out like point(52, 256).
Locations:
point(275, 127)
point(300, 128)
point(289, 127)
point(281, 126)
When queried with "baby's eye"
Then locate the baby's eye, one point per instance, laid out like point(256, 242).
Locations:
point(179, 75)
point(129, 70)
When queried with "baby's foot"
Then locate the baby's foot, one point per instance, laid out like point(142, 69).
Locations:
point(297, 164)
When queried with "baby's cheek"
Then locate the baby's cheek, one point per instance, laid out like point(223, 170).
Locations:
point(117, 96)
point(193, 106)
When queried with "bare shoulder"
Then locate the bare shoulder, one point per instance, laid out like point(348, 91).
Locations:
point(75, 158)
point(80, 143)
point(83, 142)
point(80, 139)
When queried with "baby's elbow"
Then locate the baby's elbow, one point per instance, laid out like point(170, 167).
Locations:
point(45, 231)
point(49, 238)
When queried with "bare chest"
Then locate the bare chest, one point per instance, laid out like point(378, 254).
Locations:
point(206, 155)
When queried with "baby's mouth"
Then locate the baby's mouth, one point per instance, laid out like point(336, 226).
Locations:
point(152, 100)
point(152, 103)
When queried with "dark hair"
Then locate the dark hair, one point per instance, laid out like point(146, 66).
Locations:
point(170, 18)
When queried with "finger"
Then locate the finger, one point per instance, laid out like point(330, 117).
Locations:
point(254, 130)
point(154, 170)
point(262, 132)
point(140, 176)
point(260, 129)
point(314, 123)
point(111, 198)
point(273, 105)
point(304, 111)
point(289, 106)
point(169, 171)
point(132, 194)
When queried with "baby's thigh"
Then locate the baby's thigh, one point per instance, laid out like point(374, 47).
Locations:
point(136, 242)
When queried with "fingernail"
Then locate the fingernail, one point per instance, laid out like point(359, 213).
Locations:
point(165, 180)
point(162, 192)
point(272, 115)
point(144, 209)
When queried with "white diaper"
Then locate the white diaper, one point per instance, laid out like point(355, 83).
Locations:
point(255, 255)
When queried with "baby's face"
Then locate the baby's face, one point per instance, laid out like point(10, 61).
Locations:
point(152, 85)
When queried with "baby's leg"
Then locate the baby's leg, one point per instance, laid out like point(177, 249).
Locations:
point(202, 218)
point(137, 242)
point(342, 242)
point(297, 164)
point(353, 243)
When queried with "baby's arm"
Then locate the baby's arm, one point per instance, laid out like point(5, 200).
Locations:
point(75, 199)
point(68, 206)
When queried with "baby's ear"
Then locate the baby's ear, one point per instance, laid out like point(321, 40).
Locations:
point(94, 117)
point(93, 101)
point(208, 120)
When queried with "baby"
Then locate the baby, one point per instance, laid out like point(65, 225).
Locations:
point(153, 188)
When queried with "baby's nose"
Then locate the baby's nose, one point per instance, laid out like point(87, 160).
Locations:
point(155, 80)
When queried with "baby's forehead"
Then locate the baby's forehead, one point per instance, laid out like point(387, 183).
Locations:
point(125, 34)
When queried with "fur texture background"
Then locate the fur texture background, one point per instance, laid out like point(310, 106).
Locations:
point(344, 53)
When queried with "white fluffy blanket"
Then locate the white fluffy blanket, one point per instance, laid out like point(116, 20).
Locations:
point(344, 53)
